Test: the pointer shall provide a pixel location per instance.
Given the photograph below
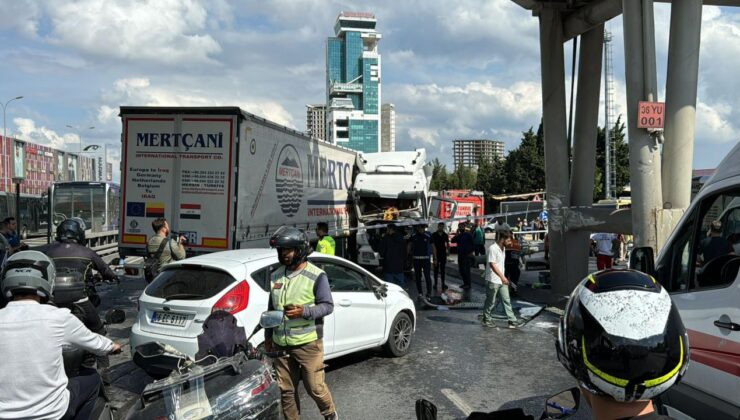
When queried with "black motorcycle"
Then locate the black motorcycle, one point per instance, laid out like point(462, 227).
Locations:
point(229, 380)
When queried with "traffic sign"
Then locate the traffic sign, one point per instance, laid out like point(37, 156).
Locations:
point(651, 115)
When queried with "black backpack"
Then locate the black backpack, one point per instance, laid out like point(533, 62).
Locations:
point(221, 336)
point(151, 263)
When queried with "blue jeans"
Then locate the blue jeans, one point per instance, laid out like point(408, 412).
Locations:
point(397, 278)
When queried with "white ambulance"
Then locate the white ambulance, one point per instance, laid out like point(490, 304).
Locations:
point(699, 267)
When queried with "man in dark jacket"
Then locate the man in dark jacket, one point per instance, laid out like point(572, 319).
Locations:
point(393, 251)
point(421, 249)
point(441, 247)
point(70, 253)
point(465, 253)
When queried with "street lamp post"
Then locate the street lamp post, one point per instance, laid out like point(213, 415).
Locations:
point(6, 160)
point(79, 135)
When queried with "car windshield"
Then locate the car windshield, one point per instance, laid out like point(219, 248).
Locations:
point(189, 283)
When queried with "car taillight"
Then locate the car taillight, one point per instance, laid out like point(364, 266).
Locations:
point(266, 382)
point(235, 300)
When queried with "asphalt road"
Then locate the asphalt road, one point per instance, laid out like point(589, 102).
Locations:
point(454, 362)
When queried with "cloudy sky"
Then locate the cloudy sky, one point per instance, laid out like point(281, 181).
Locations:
point(466, 68)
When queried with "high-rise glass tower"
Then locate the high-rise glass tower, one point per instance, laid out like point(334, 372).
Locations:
point(353, 83)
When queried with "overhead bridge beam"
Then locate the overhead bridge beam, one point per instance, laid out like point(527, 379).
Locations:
point(595, 13)
point(590, 16)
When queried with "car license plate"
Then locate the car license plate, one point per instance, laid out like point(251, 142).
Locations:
point(166, 318)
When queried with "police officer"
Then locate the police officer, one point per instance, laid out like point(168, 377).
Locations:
point(69, 253)
point(326, 244)
point(420, 247)
point(301, 290)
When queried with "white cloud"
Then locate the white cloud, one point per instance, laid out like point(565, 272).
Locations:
point(454, 69)
point(161, 31)
point(107, 114)
point(138, 91)
point(424, 135)
point(29, 131)
point(713, 124)
point(20, 15)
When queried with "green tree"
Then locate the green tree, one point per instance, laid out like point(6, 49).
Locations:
point(484, 176)
point(525, 165)
point(462, 178)
point(622, 160)
point(491, 179)
point(440, 177)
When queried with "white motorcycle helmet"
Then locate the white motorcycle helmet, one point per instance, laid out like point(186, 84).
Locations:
point(29, 271)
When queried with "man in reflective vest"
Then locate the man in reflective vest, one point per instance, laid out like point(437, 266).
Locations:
point(301, 290)
point(326, 244)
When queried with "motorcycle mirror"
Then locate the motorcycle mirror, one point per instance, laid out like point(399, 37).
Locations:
point(115, 316)
point(563, 404)
point(271, 319)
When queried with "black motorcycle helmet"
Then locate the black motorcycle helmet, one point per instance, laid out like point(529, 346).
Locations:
point(71, 230)
point(621, 336)
point(291, 237)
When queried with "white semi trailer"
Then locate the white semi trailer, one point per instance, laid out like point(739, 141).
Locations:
point(226, 179)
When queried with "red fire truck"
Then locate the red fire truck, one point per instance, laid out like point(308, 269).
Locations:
point(469, 203)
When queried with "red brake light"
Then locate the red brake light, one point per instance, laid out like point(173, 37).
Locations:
point(235, 300)
point(266, 381)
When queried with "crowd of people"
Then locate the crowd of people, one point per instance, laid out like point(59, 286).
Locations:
point(426, 255)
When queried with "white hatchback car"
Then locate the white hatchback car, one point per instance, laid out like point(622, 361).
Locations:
point(368, 312)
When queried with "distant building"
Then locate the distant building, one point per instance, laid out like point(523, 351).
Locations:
point(316, 121)
point(42, 166)
point(468, 152)
point(353, 83)
point(388, 128)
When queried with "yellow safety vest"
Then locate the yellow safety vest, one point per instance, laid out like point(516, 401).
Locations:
point(296, 290)
point(326, 245)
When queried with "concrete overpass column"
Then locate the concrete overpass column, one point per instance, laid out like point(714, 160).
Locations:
point(681, 84)
point(584, 143)
point(645, 173)
point(556, 141)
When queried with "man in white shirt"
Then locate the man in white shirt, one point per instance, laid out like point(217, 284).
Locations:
point(604, 254)
point(496, 282)
point(33, 384)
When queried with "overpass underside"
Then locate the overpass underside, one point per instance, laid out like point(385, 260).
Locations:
point(660, 160)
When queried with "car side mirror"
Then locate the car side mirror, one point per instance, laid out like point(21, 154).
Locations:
point(271, 319)
point(642, 259)
point(563, 404)
point(380, 290)
point(115, 316)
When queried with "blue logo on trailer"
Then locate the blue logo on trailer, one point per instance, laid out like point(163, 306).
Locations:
point(135, 209)
point(543, 215)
